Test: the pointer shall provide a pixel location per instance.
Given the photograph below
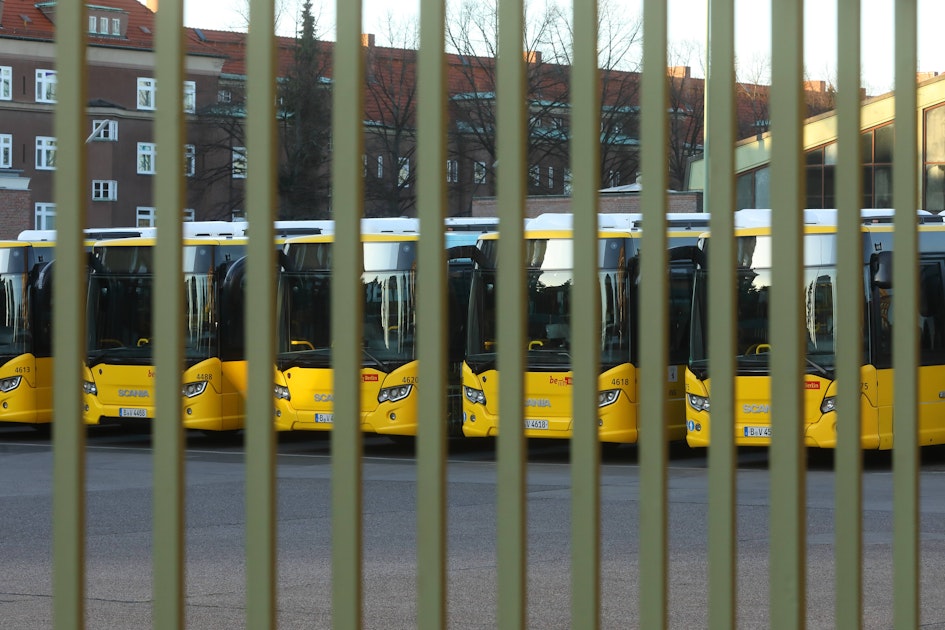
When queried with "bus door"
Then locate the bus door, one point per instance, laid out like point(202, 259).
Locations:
point(931, 330)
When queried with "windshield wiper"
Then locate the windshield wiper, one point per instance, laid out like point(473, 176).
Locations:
point(376, 360)
point(817, 366)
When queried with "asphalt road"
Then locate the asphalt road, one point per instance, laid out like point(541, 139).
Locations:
point(119, 505)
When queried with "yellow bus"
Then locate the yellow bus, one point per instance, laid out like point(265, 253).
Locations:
point(548, 380)
point(304, 377)
point(26, 267)
point(26, 331)
point(752, 425)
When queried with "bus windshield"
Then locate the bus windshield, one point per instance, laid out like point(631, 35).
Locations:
point(548, 307)
point(14, 316)
point(120, 326)
point(753, 299)
point(389, 319)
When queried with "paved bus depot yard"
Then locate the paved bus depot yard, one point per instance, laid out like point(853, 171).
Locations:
point(119, 521)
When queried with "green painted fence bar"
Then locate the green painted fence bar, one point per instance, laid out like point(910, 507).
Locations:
point(585, 322)
point(259, 433)
point(432, 318)
point(787, 463)
point(167, 307)
point(848, 457)
point(905, 338)
point(69, 324)
point(511, 123)
point(346, 306)
point(654, 134)
point(720, 193)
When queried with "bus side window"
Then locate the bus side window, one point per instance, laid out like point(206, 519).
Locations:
point(931, 316)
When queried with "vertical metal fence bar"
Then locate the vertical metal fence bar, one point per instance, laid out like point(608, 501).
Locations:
point(585, 321)
point(167, 316)
point(721, 202)
point(654, 135)
point(69, 320)
point(262, 156)
point(848, 530)
point(511, 513)
point(905, 337)
point(346, 314)
point(787, 201)
point(432, 319)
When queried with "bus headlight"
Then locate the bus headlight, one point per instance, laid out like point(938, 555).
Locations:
point(697, 402)
point(475, 396)
point(193, 389)
point(607, 397)
point(393, 394)
point(829, 404)
point(88, 387)
point(10, 383)
point(281, 392)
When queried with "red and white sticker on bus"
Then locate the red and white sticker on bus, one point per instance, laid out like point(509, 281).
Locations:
point(811, 384)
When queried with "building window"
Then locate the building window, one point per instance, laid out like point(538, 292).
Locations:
point(551, 177)
point(224, 96)
point(238, 215)
point(239, 162)
point(534, 176)
point(6, 150)
point(44, 216)
point(190, 160)
point(45, 153)
point(189, 214)
point(103, 25)
point(380, 166)
point(104, 131)
point(567, 181)
point(144, 216)
point(403, 172)
point(613, 178)
point(93, 24)
point(6, 83)
point(146, 158)
point(190, 97)
point(104, 190)
point(116, 26)
point(364, 165)
point(146, 93)
point(452, 171)
point(479, 173)
point(45, 86)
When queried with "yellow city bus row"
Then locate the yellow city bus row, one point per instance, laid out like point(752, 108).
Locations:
point(119, 373)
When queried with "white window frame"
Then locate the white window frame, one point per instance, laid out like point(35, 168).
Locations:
point(6, 150)
point(6, 83)
point(452, 171)
point(534, 174)
point(45, 153)
point(380, 166)
point(551, 177)
point(238, 214)
point(364, 165)
point(103, 25)
point(189, 214)
point(147, 158)
point(190, 97)
point(190, 160)
point(403, 172)
point(479, 173)
point(240, 165)
point(104, 190)
point(224, 96)
point(567, 181)
point(45, 86)
point(104, 131)
point(145, 216)
point(147, 91)
point(116, 27)
point(44, 216)
point(93, 24)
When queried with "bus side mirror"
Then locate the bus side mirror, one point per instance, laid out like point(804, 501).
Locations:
point(881, 269)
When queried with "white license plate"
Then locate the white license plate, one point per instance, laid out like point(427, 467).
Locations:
point(126, 412)
point(324, 418)
point(757, 432)
point(536, 424)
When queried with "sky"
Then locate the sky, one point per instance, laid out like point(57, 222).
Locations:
point(687, 26)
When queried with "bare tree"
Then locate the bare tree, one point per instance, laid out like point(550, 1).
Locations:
point(687, 112)
point(391, 115)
